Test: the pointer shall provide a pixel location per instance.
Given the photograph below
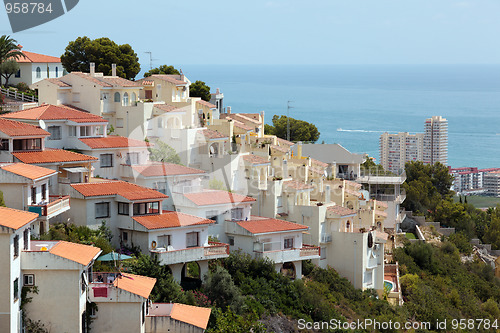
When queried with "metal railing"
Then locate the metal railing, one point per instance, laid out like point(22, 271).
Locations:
point(20, 96)
point(55, 204)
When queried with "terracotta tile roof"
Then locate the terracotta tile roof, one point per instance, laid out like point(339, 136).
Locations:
point(381, 213)
point(117, 81)
point(15, 219)
point(58, 82)
point(168, 108)
point(55, 112)
point(342, 211)
point(242, 117)
point(135, 284)
point(147, 83)
point(82, 254)
point(205, 103)
point(129, 191)
point(352, 192)
point(261, 226)
point(113, 141)
point(165, 169)
point(319, 171)
point(92, 79)
point(285, 142)
point(296, 185)
point(381, 204)
point(36, 57)
point(51, 156)
point(255, 159)
point(319, 163)
point(280, 148)
point(170, 219)
point(29, 171)
point(194, 315)
point(17, 128)
point(357, 186)
point(241, 125)
point(172, 78)
point(211, 134)
point(213, 197)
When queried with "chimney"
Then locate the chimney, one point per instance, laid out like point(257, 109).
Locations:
point(217, 91)
point(299, 149)
point(327, 194)
point(113, 70)
point(92, 69)
point(228, 110)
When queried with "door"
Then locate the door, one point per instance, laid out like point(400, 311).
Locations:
point(105, 101)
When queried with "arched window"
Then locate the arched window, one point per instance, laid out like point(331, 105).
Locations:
point(125, 99)
point(38, 72)
point(117, 97)
point(134, 98)
point(57, 71)
point(348, 226)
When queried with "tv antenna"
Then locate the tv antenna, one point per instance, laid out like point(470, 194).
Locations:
point(150, 59)
point(288, 107)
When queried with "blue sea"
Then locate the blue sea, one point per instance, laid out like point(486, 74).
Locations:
point(353, 104)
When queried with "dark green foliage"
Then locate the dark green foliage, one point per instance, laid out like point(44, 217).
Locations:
point(8, 68)
point(230, 322)
point(163, 69)
point(103, 52)
point(200, 89)
point(164, 153)
point(462, 243)
point(2, 202)
point(221, 290)
point(299, 130)
point(9, 50)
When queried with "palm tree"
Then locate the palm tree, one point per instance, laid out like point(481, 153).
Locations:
point(9, 50)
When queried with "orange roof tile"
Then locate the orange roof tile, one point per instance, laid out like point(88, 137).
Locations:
point(117, 81)
point(55, 112)
point(58, 82)
point(113, 141)
point(17, 128)
point(36, 57)
point(352, 192)
point(172, 78)
point(357, 186)
point(342, 211)
point(262, 226)
point(255, 159)
point(194, 315)
point(207, 104)
point(319, 163)
point(212, 197)
point(170, 219)
point(241, 125)
point(82, 254)
point(165, 169)
point(211, 134)
point(285, 142)
point(51, 156)
point(280, 148)
point(135, 284)
point(127, 190)
point(296, 185)
point(29, 171)
point(15, 219)
point(168, 108)
point(243, 118)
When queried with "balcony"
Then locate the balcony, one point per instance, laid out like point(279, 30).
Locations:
point(388, 196)
point(55, 206)
point(213, 251)
point(186, 189)
point(280, 256)
point(326, 238)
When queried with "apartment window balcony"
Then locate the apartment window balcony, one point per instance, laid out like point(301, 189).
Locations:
point(214, 250)
point(326, 238)
point(55, 206)
point(280, 256)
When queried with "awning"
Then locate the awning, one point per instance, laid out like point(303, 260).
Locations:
point(76, 169)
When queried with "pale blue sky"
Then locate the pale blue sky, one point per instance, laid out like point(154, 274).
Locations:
point(281, 31)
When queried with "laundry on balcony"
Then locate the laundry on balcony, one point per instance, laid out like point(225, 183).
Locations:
point(100, 291)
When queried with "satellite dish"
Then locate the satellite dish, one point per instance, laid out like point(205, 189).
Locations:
point(42, 124)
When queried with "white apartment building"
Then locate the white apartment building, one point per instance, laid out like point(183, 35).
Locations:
point(436, 140)
point(397, 149)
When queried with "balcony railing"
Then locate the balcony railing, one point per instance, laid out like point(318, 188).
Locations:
point(56, 204)
point(286, 255)
point(186, 189)
point(326, 238)
point(212, 251)
point(398, 197)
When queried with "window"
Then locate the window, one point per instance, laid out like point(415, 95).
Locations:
point(72, 130)
point(125, 99)
point(106, 160)
point(146, 208)
point(29, 279)
point(123, 208)
point(18, 73)
point(124, 236)
point(119, 122)
point(26, 238)
point(132, 159)
point(231, 240)
point(148, 94)
point(76, 97)
point(55, 132)
point(101, 210)
point(192, 239)
point(38, 72)
point(117, 97)
point(16, 289)
point(4, 144)
point(164, 241)
point(44, 191)
point(237, 214)
point(161, 187)
point(33, 195)
point(85, 130)
point(134, 98)
point(212, 215)
point(322, 253)
point(27, 144)
point(16, 246)
point(288, 243)
point(57, 71)
point(279, 201)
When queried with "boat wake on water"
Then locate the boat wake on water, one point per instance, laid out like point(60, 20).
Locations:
point(358, 130)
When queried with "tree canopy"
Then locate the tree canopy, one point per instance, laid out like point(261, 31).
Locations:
point(164, 153)
point(200, 89)
point(299, 130)
point(163, 69)
point(8, 68)
point(103, 52)
point(9, 50)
